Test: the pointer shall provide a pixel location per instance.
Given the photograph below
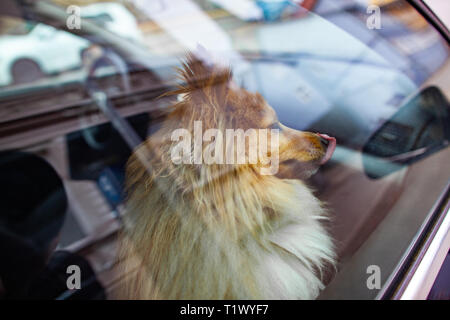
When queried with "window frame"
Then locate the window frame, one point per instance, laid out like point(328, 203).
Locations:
point(401, 277)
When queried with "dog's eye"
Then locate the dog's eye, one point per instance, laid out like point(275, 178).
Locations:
point(275, 125)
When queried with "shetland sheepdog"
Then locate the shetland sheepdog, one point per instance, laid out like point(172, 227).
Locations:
point(224, 230)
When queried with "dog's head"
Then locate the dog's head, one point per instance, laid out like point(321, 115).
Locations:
point(189, 182)
point(209, 101)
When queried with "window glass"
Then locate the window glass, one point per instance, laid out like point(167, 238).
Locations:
point(76, 103)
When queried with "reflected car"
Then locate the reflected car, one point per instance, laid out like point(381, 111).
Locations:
point(36, 50)
point(40, 50)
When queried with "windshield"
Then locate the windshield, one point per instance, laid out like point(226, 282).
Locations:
point(82, 88)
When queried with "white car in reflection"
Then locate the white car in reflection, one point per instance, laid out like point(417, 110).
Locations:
point(42, 50)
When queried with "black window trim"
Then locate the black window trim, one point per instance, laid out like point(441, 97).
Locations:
point(431, 17)
point(399, 279)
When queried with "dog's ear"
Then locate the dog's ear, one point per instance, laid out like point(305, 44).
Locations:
point(209, 83)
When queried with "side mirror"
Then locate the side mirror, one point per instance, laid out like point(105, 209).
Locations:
point(419, 128)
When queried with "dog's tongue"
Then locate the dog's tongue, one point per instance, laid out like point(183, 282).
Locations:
point(330, 149)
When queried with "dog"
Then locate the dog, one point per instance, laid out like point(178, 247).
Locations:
point(224, 230)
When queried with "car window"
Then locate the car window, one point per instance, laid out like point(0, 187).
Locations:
point(78, 103)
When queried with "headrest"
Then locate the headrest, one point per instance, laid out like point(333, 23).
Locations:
point(33, 201)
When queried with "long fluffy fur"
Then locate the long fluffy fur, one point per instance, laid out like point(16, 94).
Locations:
point(217, 231)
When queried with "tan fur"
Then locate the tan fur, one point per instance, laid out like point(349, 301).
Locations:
point(222, 231)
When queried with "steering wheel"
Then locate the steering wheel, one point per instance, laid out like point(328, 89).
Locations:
point(102, 63)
